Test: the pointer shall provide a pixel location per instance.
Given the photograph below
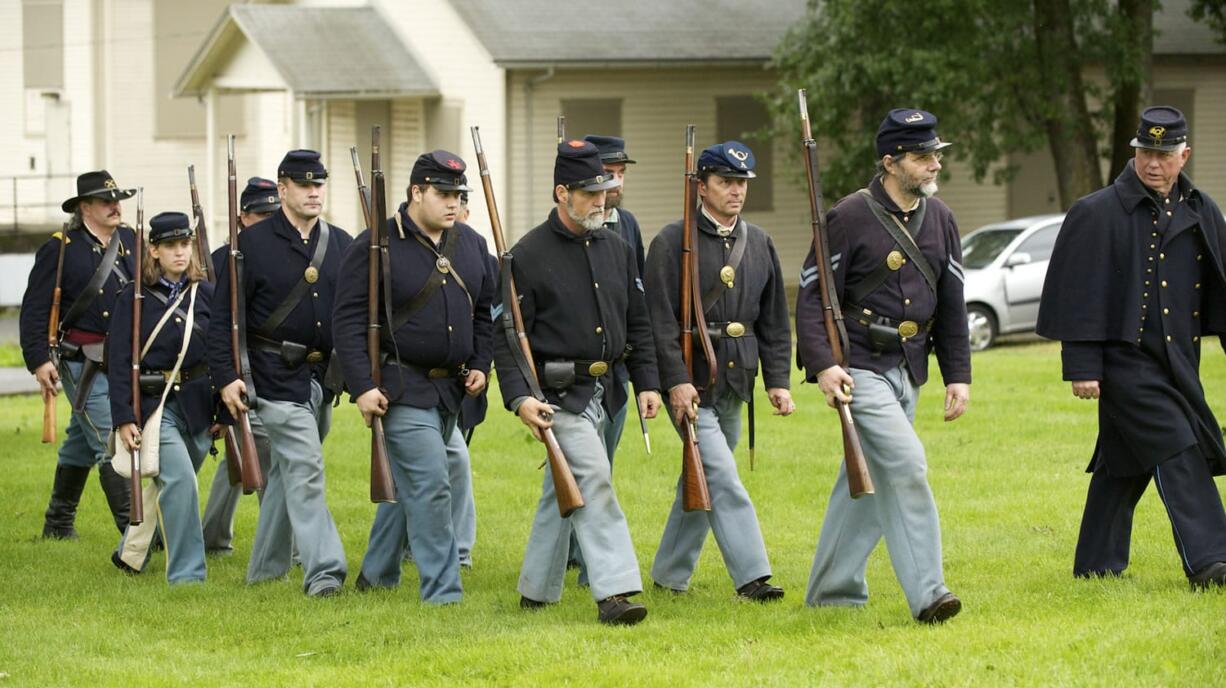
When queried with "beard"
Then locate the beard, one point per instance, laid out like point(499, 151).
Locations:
point(591, 222)
point(913, 186)
point(612, 200)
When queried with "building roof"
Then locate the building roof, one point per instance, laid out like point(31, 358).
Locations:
point(318, 52)
point(526, 32)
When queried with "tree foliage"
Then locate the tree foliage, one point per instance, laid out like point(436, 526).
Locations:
point(977, 64)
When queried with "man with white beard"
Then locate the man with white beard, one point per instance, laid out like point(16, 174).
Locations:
point(896, 260)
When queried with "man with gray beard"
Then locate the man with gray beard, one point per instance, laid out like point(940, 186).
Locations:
point(896, 260)
point(583, 311)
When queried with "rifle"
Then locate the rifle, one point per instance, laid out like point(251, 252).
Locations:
point(859, 482)
point(694, 494)
point(382, 488)
point(234, 469)
point(202, 235)
point(136, 512)
point(251, 475)
point(564, 485)
point(53, 339)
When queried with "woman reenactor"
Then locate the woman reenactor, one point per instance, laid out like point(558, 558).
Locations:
point(176, 396)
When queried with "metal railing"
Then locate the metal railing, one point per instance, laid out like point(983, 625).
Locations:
point(33, 200)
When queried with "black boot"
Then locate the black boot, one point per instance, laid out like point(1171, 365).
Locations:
point(65, 495)
point(117, 492)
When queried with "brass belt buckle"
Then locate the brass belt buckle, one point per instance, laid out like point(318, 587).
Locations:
point(908, 329)
point(315, 357)
point(170, 376)
point(597, 368)
point(734, 329)
point(438, 373)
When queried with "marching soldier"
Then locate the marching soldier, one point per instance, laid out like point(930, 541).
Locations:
point(747, 317)
point(176, 395)
point(95, 268)
point(1135, 281)
point(897, 264)
point(438, 349)
point(258, 201)
point(292, 263)
point(583, 309)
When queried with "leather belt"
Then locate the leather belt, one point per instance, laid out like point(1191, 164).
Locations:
point(730, 328)
point(185, 376)
point(906, 328)
point(587, 368)
point(289, 351)
point(432, 373)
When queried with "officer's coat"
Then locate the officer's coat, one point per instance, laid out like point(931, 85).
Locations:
point(1130, 291)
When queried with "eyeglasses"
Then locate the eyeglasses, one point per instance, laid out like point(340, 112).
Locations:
point(927, 158)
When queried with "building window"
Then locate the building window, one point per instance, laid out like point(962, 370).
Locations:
point(179, 28)
point(585, 116)
point(741, 118)
point(42, 36)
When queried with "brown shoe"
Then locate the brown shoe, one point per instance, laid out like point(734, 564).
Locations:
point(619, 610)
point(531, 604)
point(946, 607)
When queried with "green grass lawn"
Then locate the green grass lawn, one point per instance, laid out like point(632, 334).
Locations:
point(1008, 480)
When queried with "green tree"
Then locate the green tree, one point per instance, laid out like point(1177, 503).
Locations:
point(1002, 77)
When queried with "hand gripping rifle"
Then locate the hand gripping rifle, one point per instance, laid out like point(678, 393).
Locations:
point(53, 339)
point(694, 494)
point(859, 483)
point(382, 488)
point(234, 469)
point(564, 485)
point(136, 512)
point(251, 475)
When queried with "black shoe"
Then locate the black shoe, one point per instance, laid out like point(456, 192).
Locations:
point(122, 565)
point(665, 588)
point(760, 591)
point(946, 607)
point(118, 494)
point(531, 604)
point(62, 508)
point(362, 585)
point(619, 610)
point(1105, 573)
point(1211, 575)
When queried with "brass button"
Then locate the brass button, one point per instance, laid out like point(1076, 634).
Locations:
point(599, 329)
point(1155, 233)
point(1195, 314)
point(1168, 213)
point(731, 364)
point(596, 284)
point(315, 294)
point(1140, 329)
point(1197, 285)
point(1144, 307)
point(1166, 311)
point(1145, 295)
point(178, 319)
point(1168, 338)
point(318, 324)
point(1151, 259)
point(106, 314)
point(1196, 339)
point(1161, 256)
point(450, 329)
point(1199, 256)
point(1164, 284)
point(444, 281)
point(588, 242)
point(1147, 283)
point(906, 302)
point(1152, 247)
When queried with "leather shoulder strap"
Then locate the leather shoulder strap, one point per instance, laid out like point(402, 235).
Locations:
point(109, 265)
point(734, 261)
point(895, 228)
point(299, 292)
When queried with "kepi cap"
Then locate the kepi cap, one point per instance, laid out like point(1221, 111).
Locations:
point(612, 148)
point(168, 227)
point(259, 196)
point(303, 166)
point(441, 169)
point(728, 159)
point(578, 166)
point(908, 130)
point(1162, 128)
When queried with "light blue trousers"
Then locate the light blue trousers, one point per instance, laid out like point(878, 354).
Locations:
point(85, 443)
point(732, 517)
point(178, 505)
point(600, 525)
point(424, 506)
point(294, 509)
point(902, 508)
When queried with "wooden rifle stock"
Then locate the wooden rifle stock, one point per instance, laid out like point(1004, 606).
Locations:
point(694, 493)
point(53, 338)
point(859, 482)
point(564, 485)
point(251, 474)
point(382, 487)
point(234, 461)
point(202, 234)
point(136, 512)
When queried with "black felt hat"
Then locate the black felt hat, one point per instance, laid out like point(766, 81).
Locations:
point(578, 166)
point(303, 166)
point(1162, 128)
point(908, 130)
point(612, 148)
point(441, 169)
point(169, 227)
point(99, 184)
point(259, 196)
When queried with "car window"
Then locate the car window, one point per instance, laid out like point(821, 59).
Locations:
point(1039, 244)
point(981, 248)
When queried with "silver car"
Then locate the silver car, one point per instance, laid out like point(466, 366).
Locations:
point(1005, 266)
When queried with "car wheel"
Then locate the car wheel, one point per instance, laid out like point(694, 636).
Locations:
point(982, 326)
